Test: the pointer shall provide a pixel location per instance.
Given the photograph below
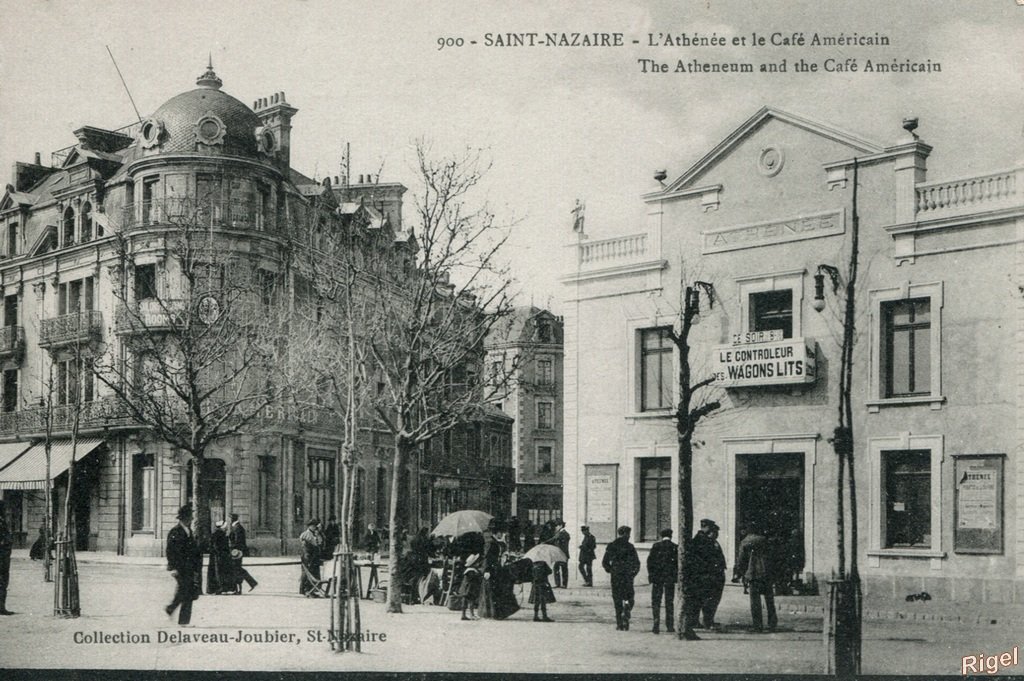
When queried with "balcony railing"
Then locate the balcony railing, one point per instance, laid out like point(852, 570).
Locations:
point(147, 316)
point(101, 413)
point(71, 328)
point(959, 197)
point(188, 212)
point(12, 342)
point(612, 251)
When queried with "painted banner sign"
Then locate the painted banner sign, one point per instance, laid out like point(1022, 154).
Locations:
point(784, 362)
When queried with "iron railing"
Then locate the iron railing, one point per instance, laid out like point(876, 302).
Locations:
point(71, 328)
point(12, 342)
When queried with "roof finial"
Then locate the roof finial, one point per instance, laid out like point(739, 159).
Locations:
point(209, 79)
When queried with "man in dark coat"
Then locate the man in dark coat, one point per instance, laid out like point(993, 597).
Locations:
point(6, 544)
point(185, 563)
point(662, 573)
point(220, 573)
point(754, 566)
point(372, 540)
point(561, 539)
point(587, 556)
point(239, 550)
point(714, 571)
point(622, 562)
point(332, 537)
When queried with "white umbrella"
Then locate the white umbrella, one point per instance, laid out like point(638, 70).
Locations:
point(546, 553)
point(461, 522)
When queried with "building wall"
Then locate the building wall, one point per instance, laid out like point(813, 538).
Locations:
point(961, 255)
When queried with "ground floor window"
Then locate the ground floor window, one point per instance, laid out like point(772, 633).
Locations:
point(655, 497)
point(320, 467)
point(143, 492)
point(907, 502)
point(267, 494)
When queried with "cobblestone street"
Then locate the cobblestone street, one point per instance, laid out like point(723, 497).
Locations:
point(281, 631)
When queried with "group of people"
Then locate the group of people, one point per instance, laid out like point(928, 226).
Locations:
point(225, 574)
point(703, 577)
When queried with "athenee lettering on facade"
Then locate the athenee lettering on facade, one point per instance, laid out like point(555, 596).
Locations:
point(777, 231)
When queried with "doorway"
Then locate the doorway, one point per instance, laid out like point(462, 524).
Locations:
point(770, 490)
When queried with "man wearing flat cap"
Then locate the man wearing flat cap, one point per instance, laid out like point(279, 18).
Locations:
point(662, 573)
point(312, 541)
point(622, 563)
point(185, 563)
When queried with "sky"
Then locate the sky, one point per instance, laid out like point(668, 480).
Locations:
point(558, 123)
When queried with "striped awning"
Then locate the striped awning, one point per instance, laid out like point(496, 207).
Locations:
point(28, 471)
point(10, 451)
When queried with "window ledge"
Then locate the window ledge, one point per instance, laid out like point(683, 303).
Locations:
point(906, 553)
point(934, 401)
point(642, 415)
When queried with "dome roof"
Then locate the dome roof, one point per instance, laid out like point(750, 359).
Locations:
point(205, 119)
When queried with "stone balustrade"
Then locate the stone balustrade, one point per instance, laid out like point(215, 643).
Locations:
point(964, 196)
point(607, 252)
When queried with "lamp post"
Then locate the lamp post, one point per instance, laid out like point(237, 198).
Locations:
point(843, 625)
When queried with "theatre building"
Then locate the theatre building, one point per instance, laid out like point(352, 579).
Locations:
point(938, 389)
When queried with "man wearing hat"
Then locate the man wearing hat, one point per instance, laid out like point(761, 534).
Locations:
point(312, 541)
point(714, 570)
point(754, 566)
point(662, 573)
point(622, 562)
point(587, 555)
point(239, 550)
point(185, 563)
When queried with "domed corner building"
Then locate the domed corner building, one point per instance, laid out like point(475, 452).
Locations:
point(91, 253)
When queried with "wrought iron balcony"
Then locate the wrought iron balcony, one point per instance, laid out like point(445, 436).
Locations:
point(12, 343)
point(102, 413)
point(188, 212)
point(77, 327)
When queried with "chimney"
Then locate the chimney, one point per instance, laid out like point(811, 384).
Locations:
point(39, 159)
point(276, 115)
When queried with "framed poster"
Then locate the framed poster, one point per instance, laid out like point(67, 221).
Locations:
point(978, 506)
point(601, 513)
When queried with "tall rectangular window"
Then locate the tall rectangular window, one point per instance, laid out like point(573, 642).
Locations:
point(143, 487)
point(908, 501)
point(12, 239)
point(545, 459)
point(299, 484)
point(545, 371)
point(320, 467)
point(772, 311)
point(545, 415)
point(145, 282)
point(655, 369)
point(267, 506)
point(11, 310)
point(906, 347)
point(655, 497)
point(10, 386)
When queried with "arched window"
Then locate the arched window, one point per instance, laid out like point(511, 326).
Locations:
point(86, 222)
point(69, 226)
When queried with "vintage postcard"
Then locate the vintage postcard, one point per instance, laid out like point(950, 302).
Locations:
point(569, 338)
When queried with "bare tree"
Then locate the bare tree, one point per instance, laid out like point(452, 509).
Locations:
point(198, 351)
point(696, 402)
point(428, 320)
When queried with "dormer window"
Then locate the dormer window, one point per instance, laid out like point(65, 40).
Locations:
point(265, 140)
point(86, 222)
point(68, 231)
point(151, 130)
point(210, 129)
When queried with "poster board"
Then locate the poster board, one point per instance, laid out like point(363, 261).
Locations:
point(602, 498)
point(978, 503)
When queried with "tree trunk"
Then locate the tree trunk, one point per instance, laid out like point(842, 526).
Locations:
point(198, 510)
point(685, 528)
point(402, 448)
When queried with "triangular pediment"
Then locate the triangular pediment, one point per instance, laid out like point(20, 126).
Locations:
point(45, 242)
point(856, 144)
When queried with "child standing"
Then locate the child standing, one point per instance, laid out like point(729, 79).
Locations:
point(540, 592)
point(469, 589)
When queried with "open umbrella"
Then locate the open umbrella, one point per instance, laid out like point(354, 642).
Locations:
point(546, 553)
point(459, 523)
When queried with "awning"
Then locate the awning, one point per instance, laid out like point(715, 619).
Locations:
point(28, 471)
point(10, 451)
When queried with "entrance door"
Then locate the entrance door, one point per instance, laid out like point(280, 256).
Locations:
point(770, 490)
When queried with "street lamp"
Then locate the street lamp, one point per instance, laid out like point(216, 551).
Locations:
point(819, 285)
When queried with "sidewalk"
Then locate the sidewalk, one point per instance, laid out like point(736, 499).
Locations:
point(812, 606)
point(273, 628)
